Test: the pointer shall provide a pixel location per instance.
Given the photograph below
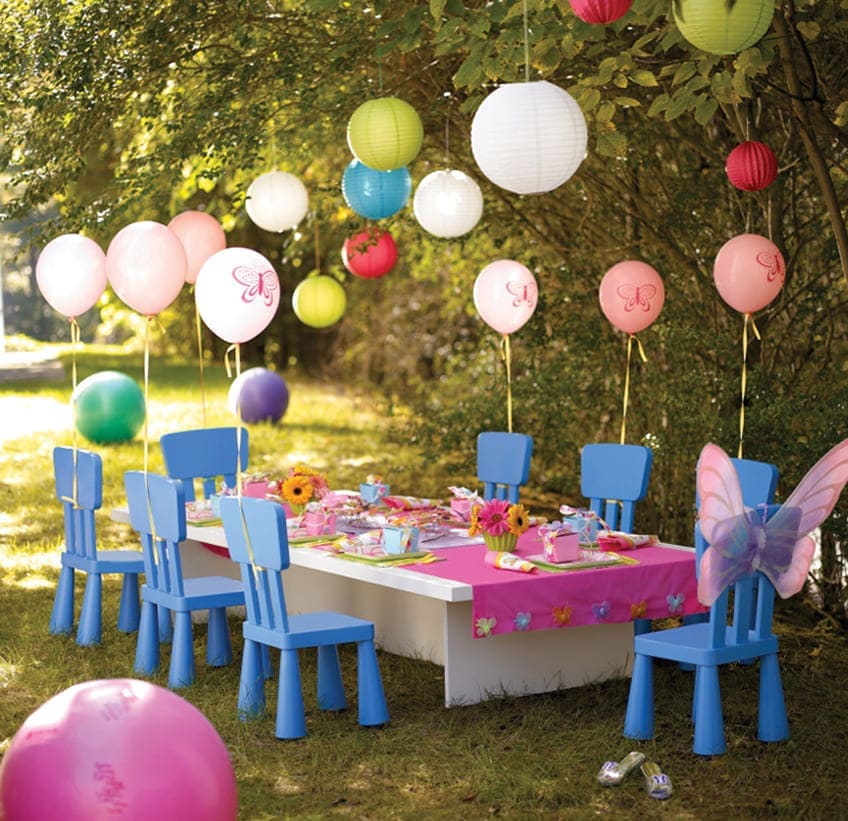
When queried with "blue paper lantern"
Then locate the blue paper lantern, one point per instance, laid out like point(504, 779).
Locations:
point(375, 194)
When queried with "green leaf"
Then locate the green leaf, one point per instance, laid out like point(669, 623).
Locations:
point(644, 78)
point(810, 30)
point(659, 104)
point(605, 112)
point(706, 107)
point(627, 102)
point(684, 72)
point(437, 8)
point(612, 144)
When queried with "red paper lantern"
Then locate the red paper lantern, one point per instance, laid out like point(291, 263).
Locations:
point(370, 254)
point(600, 11)
point(751, 166)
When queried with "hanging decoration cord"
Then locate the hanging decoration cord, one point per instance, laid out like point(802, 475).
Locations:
point(526, 47)
point(75, 334)
point(748, 318)
point(148, 322)
point(630, 341)
point(199, 329)
point(506, 355)
point(236, 349)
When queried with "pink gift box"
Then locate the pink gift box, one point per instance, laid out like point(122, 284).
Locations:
point(560, 546)
point(319, 523)
point(256, 489)
point(462, 508)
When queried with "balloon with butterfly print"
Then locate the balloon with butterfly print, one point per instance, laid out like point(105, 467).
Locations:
point(631, 295)
point(749, 272)
point(237, 293)
point(505, 295)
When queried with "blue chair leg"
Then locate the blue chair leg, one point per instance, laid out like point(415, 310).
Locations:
point(773, 723)
point(147, 645)
point(251, 698)
point(181, 672)
point(166, 628)
point(219, 650)
point(267, 669)
point(639, 717)
point(331, 694)
point(90, 626)
point(373, 710)
point(291, 718)
point(709, 723)
point(62, 617)
point(129, 611)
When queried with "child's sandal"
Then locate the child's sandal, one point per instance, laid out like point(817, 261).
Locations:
point(614, 772)
point(657, 783)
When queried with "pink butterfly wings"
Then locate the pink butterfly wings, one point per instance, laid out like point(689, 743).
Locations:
point(257, 284)
point(741, 541)
point(637, 295)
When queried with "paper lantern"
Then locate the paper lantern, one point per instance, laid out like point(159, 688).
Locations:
point(713, 26)
point(375, 194)
point(277, 201)
point(385, 134)
point(600, 11)
point(529, 138)
point(751, 166)
point(319, 301)
point(447, 203)
point(370, 254)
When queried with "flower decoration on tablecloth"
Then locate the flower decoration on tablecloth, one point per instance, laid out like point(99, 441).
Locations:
point(638, 610)
point(303, 484)
point(562, 615)
point(522, 621)
point(601, 610)
point(484, 626)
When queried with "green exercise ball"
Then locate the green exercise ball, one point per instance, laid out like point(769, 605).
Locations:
point(108, 407)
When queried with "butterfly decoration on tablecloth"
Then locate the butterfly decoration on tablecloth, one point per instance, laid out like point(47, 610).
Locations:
point(522, 621)
point(484, 625)
point(675, 602)
point(601, 611)
point(562, 615)
point(742, 540)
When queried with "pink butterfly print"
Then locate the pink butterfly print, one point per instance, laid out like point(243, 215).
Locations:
point(524, 292)
point(261, 284)
point(773, 263)
point(742, 541)
point(637, 295)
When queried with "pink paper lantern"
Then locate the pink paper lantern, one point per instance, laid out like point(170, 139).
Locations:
point(600, 11)
point(631, 295)
point(505, 295)
point(370, 254)
point(201, 235)
point(751, 166)
point(749, 272)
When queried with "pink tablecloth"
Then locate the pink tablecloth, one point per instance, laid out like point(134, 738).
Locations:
point(662, 584)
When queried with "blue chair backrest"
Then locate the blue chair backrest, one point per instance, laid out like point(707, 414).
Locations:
point(80, 533)
point(752, 594)
point(758, 481)
point(158, 514)
point(258, 540)
point(503, 463)
point(206, 454)
point(614, 477)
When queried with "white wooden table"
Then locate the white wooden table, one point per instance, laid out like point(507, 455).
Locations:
point(425, 617)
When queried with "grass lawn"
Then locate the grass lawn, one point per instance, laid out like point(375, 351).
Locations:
point(531, 757)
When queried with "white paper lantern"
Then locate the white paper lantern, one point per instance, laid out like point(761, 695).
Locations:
point(276, 201)
point(529, 138)
point(447, 203)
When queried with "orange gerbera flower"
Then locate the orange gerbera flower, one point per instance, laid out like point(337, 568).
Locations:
point(474, 521)
point(297, 490)
point(518, 519)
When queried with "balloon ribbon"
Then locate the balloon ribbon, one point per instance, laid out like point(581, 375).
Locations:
point(75, 340)
point(236, 348)
point(149, 320)
point(630, 340)
point(506, 355)
point(200, 361)
point(748, 318)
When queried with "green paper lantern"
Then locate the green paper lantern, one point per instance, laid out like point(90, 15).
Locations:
point(385, 134)
point(714, 27)
point(319, 301)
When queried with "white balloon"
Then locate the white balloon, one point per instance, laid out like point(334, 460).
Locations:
point(529, 138)
point(237, 294)
point(448, 203)
point(71, 274)
point(277, 201)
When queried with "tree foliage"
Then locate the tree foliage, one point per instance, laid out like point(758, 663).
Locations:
point(126, 111)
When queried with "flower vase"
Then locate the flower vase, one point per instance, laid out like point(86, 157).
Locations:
point(297, 510)
point(504, 542)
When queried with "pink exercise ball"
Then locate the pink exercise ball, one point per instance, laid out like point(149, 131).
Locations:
point(120, 748)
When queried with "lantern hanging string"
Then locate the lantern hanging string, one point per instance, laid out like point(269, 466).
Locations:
point(748, 318)
point(506, 355)
point(199, 330)
point(526, 47)
point(630, 341)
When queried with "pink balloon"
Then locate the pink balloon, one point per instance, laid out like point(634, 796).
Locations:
point(749, 272)
point(146, 266)
point(237, 293)
point(631, 295)
point(201, 235)
point(505, 295)
point(71, 274)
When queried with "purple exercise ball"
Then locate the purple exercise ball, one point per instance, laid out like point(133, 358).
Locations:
point(121, 748)
point(262, 395)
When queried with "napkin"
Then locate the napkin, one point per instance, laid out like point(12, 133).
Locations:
point(618, 540)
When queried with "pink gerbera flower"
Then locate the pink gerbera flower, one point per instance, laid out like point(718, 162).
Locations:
point(494, 517)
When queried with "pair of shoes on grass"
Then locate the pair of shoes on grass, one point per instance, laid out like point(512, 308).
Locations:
point(657, 783)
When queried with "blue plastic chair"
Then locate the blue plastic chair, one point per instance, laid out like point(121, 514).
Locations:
point(613, 478)
point(257, 538)
point(707, 645)
point(207, 454)
point(157, 512)
point(503, 463)
point(81, 552)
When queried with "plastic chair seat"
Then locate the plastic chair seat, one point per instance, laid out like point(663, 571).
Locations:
point(107, 561)
point(312, 630)
point(691, 643)
point(201, 593)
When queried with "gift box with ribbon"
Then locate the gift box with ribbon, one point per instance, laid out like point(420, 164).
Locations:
point(586, 523)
